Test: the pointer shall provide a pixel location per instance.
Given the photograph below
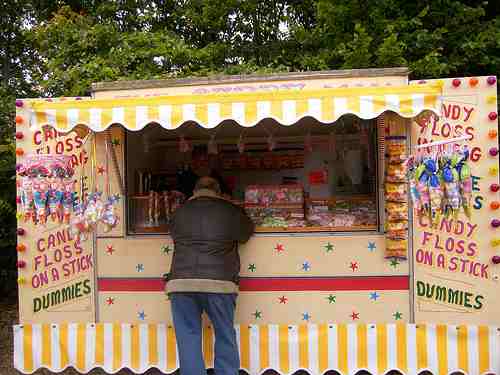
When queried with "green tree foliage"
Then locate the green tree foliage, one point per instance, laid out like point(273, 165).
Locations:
point(434, 38)
point(15, 55)
point(7, 186)
point(89, 50)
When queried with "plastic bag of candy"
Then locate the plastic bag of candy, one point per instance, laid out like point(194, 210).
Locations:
point(395, 192)
point(396, 211)
point(396, 173)
point(450, 178)
point(465, 183)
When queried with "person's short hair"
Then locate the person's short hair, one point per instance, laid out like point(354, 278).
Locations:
point(208, 183)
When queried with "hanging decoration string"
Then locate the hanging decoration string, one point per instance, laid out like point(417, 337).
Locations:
point(106, 174)
point(443, 142)
point(241, 143)
point(212, 147)
point(308, 140)
point(114, 160)
point(271, 143)
point(93, 164)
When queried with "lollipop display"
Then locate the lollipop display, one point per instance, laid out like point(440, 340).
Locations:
point(441, 185)
point(91, 212)
point(465, 183)
point(27, 199)
point(450, 177)
point(47, 190)
point(69, 200)
point(44, 186)
point(54, 200)
point(436, 193)
point(421, 179)
point(414, 193)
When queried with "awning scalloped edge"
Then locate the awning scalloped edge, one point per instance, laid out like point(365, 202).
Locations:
point(315, 348)
point(287, 108)
point(272, 371)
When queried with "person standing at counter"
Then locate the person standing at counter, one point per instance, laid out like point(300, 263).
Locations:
point(204, 276)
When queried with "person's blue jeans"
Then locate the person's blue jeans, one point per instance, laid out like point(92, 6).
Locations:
point(187, 309)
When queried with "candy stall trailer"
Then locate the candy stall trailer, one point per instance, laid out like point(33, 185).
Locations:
point(375, 200)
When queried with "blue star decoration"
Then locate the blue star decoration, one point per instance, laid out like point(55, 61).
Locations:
point(306, 266)
point(372, 246)
point(374, 296)
point(306, 316)
point(141, 314)
point(140, 267)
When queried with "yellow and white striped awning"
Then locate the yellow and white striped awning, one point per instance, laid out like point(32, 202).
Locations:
point(286, 107)
point(316, 348)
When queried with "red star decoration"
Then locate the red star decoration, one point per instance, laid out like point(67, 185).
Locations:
point(110, 249)
point(279, 248)
point(354, 315)
point(101, 170)
point(354, 266)
point(283, 300)
point(110, 301)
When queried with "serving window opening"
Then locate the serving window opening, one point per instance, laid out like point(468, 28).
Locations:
point(308, 177)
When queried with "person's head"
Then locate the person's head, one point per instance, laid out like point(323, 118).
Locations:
point(207, 184)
